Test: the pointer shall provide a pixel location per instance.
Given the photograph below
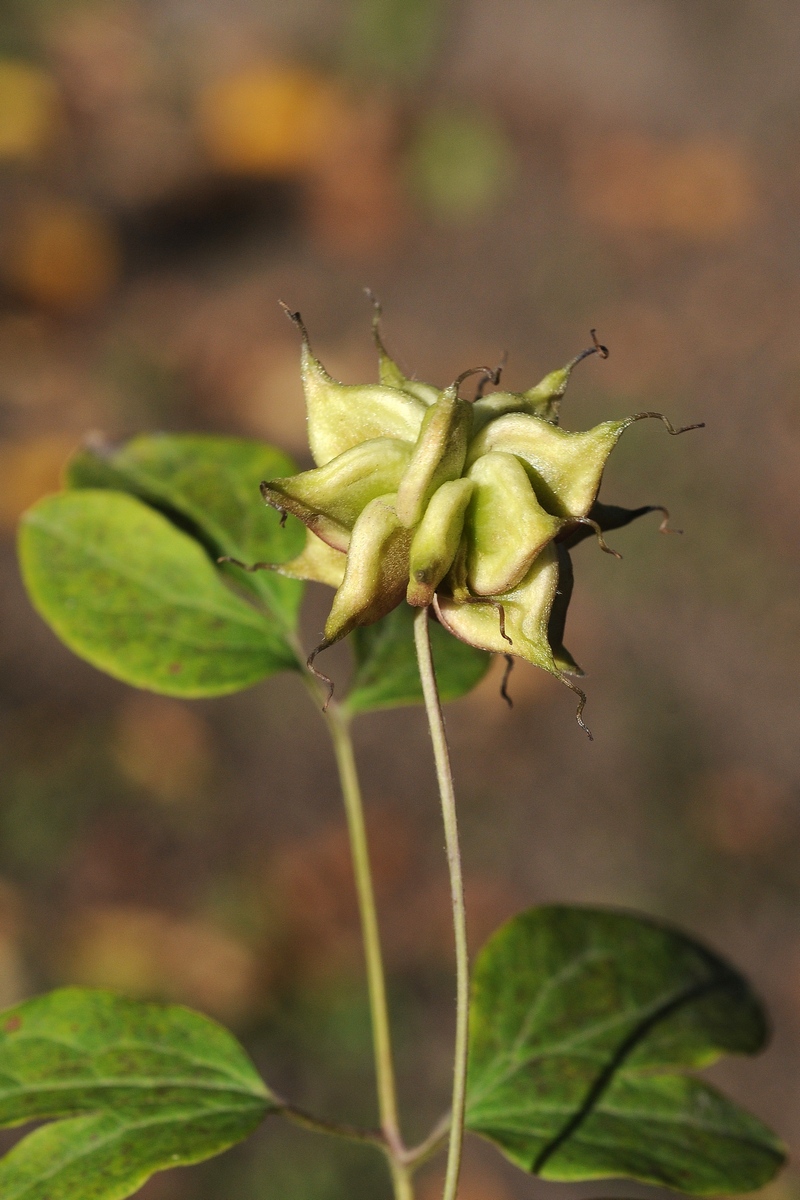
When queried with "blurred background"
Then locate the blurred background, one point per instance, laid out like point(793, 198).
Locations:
point(506, 177)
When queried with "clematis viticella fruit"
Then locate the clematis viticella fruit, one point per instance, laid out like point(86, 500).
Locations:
point(471, 507)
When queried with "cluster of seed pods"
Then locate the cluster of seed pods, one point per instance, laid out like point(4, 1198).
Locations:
point(469, 506)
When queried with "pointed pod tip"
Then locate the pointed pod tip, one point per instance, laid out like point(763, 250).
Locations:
point(296, 319)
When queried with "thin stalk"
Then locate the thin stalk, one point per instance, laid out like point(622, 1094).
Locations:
point(338, 725)
point(416, 1156)
point(307, 1120)
point(339, 728)
point(351, 793)
point(401, 1179)
point(444, 775)
point(401, 1174)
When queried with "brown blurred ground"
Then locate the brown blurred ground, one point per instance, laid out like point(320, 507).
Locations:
point(505, 179)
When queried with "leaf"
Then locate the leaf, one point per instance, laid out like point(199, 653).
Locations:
point(126, 590)
point(386, 674)
point(143, 1086)
point(211, 485)
point(581, 1020)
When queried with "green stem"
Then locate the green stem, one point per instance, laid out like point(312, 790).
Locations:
point(444, 775)
point(307, 1120)
point(338, 726)
point(416, 1156)
point(351, 792)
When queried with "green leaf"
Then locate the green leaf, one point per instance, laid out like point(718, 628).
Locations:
point(386, 674)
point(211, 485)
point(582, 1020)
point(143, 1086)
point(126, 590)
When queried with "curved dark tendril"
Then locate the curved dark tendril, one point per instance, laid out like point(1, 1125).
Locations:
point(664, 526)
point(603, 544)
point(504, 682)
point(580, 357)
point(326, 679)
point(492, 376)
point(597, 347)
point(501, 615)
point(581, 705)
point(259, 566)
point(670, 427)
point(498, 371)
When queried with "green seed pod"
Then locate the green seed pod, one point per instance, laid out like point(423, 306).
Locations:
point(329, 499)
point(438, 455)
point(527, 613)
point(436, 540)
point(565, 468)
point(341, 416)
point(506, 525)
point(317, 562)
point(376, 574)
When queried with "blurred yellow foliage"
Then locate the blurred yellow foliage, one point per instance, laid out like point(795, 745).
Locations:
point(162, 745)
point(145, 952)
point(30, 469)
point(698, 188)
point(268, 120)
point(63, 255)
point(29, 110)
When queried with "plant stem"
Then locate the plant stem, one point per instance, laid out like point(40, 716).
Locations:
point(307, 1120)
point(444, 775)
point(338, 726)
point(415, 1156)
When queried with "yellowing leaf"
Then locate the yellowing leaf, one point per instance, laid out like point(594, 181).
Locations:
point(267, 120)
point(28, 109)
point(63, 256)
